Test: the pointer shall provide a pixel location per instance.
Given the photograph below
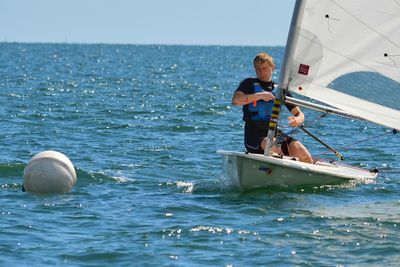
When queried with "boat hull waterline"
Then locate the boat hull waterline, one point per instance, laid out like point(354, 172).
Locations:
point(249, 171)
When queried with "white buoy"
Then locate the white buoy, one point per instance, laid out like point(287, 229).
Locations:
point(49, 172)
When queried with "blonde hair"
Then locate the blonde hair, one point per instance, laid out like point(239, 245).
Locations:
point(262, 58)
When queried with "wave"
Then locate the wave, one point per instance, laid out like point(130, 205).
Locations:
point(8, 170)
point(11, 178)
point(224, 186)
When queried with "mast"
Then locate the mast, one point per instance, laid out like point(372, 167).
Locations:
point(284, 78)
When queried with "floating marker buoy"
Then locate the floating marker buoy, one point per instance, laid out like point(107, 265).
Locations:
point(49, 172)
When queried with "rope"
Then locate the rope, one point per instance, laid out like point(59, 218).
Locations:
point(308, 124)
point(340, 156)
point(361, 141)
point(294, 130)
point(389, 170)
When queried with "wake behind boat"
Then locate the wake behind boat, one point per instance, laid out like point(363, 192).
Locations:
point(328, 40)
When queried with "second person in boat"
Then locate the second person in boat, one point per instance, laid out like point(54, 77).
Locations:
point(256, 95)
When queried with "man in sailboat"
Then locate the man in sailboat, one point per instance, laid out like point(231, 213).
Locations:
point(256, 95)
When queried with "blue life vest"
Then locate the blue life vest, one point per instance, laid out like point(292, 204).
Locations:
point(262, 110)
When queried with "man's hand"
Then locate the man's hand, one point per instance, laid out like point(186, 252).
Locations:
point(294, 121)
point(266, 96)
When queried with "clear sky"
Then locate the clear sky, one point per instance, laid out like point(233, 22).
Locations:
point(203, 22)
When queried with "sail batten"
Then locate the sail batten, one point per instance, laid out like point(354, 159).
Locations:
point(335, 38)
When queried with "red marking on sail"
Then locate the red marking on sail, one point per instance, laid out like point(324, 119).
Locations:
point(303, 69)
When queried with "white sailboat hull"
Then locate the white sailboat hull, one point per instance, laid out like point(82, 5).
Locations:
point(248, 171)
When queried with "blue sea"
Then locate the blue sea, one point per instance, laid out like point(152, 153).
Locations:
point(142, 124)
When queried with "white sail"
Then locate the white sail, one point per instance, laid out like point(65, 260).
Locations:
point(337, 38)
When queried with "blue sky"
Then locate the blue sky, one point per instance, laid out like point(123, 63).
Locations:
point(203, 22)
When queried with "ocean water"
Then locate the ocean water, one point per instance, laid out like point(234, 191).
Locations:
point(141, 125)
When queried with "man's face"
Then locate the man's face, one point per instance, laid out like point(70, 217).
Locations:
point(264, 71)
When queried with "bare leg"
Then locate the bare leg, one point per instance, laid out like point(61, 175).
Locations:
point(264, 143)
point(274, 148)
point(297, 149)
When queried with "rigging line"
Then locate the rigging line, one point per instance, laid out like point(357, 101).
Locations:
point(302, 127)
point(365, 24)
point(388, 170)
point(314, 121)
point(358, 142)
point(308, 124)
point(364, 140)
point(340, 156)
